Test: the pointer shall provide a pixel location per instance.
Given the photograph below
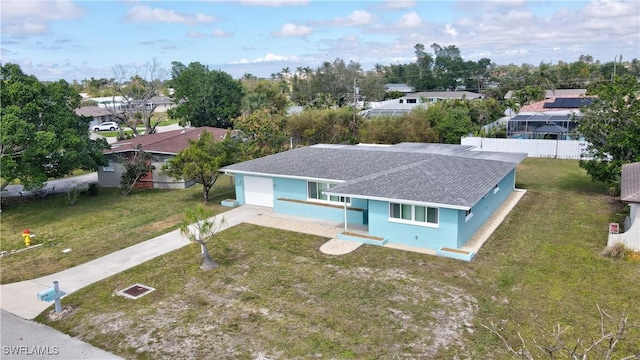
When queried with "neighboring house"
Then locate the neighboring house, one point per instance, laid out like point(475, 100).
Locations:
point(403, 88)
point(560, 93)
point(162, 103)
point(98, 115)
point(409, 102)
point(433, 96)
point(428, 196)
point(120, 103)
point(162, 146)
point(630, 194)
point(553, 118)
point(114, 103)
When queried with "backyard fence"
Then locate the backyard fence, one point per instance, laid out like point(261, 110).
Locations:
point(558, 149)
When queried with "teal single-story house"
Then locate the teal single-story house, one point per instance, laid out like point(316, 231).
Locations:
point(431, 196)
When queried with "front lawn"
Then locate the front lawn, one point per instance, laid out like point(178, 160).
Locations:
point(275, 296)
point(94, 227)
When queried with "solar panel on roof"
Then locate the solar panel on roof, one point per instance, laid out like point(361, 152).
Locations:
point(568, 103)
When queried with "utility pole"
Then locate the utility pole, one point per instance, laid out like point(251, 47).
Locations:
point(353, 124)
point(613, 74)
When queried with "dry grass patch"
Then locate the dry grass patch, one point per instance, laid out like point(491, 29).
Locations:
point(276, 296)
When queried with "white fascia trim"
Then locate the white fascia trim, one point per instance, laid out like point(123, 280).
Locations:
point(400, 201)
point(251, 173)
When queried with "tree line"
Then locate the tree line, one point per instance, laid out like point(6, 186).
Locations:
point(257, 108)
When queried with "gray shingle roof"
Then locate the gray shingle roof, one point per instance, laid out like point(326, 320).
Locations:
point(427, 173)
point(445, 180)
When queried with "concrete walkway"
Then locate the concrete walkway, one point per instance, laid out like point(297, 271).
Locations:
point(20, 298)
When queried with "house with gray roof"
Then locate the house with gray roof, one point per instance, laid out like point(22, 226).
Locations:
point(403, 88)
point(428, 196)
point(97, 114)
point(409, 102)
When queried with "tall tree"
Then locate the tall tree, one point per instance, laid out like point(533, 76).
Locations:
point(263, 94)
point(137, 85)
point(450, 122)
point(264, 133)
point(611, 126)
point(204, 97)
point(202, 160)
point(41, 136)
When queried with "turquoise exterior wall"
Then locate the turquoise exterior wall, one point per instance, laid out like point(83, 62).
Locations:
point(484, 208)
point(453, 230)
point(239, 180)
point(446, 234)
point(296, 189)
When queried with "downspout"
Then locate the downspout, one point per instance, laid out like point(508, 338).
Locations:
point(345, 214)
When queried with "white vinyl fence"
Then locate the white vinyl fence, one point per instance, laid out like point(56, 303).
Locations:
point(559, 149)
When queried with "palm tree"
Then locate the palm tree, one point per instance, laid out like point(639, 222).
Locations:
point(513, 105)
point(286, 71)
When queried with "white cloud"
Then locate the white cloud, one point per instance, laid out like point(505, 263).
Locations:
point(484, 6)
point(399, 4)
point(144, 13)
point(410, 20)
point(196, 34)
point(274, 2)
point(450, 30)
point(217, 33)
point(27, 27)
point(270, 57)
point(23, 18)
point(43, 10)
point(356, 18)
point(291, 29)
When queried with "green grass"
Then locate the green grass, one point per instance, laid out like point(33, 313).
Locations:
point(276, 295)
point(94, 227)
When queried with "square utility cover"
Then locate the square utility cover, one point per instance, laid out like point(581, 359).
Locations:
point(135, 291)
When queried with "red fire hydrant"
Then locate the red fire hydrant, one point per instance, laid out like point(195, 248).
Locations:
point(26, 235)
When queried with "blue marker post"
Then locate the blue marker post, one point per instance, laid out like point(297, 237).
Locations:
point(57, 297)
point(53, 293)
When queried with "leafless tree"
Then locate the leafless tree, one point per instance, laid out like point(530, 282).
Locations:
point(554, 343)
point(137, 85)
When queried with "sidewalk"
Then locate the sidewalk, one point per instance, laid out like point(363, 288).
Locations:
point(20, 298)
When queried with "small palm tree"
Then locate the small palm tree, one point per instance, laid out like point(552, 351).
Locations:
point(199, 228)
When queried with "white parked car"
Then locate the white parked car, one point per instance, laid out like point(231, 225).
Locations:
point(106, 126)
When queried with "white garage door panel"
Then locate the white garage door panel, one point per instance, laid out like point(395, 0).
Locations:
point(258, 191)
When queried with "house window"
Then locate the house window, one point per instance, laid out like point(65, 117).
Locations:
point(496, 189)
point(422, 215)
point(109, 167)
point(468, 215)
point(315, 189)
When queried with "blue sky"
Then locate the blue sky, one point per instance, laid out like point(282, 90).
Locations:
point(76, 40)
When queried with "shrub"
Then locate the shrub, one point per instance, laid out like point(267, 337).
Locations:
point(93, 188)
point(615, 251)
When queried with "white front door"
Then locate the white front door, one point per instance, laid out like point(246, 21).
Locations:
point(258, 191)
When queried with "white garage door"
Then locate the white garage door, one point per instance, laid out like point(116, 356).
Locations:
point(258, 191)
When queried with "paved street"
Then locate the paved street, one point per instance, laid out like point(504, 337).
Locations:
point(28, 340)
